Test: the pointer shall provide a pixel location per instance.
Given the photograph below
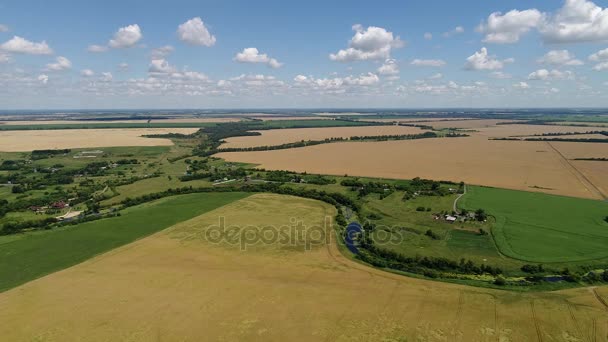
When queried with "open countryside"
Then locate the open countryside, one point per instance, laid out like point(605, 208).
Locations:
point(404, 171)
point(528, 166)
point(167, 282)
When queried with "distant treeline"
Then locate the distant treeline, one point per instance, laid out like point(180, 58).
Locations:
point(592, 159)
point(304, 143)
point(43, 154)
point(590, 140)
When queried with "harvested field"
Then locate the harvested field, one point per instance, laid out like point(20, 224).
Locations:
point(17, 141)
point(414, 120)
point(596, 172)
point(81, 122)
point(283, 136)
point(579, 123)
point(530, 166)
point(175, 286)
point(467, 123)
point(503, 131)
point(572, 150)
point(574, 136)
point(279, 118)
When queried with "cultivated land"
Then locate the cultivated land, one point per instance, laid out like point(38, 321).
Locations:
point(569, 229)
point(175, 285)
point(284, 136)
point(29, 256)
point(15, 141)
point(283, 118)
point(520, 165)
point(79, 122)
point(503, 131)
point(595, 171)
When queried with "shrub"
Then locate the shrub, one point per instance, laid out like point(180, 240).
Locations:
point(500, 281)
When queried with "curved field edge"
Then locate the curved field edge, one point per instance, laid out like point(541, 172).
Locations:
point(180, 288)
point(542, 228)
point(32, 255)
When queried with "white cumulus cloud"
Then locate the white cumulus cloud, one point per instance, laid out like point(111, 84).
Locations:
point(161, 66)
point(43, 78)
point(549, 75)
point(368, 44)
point(390, 67)
point(97, 48)
point(126, 37)
point(162, 52)
point(22, 45)
point(560, 57)
point(456, 30)
point(576, 21)
point(428, 62)
point(61, 63)
point(195, 32)
point(481, 60)
point(521, 85)
point(252, 55)
point(87, 73)
point(509, 27)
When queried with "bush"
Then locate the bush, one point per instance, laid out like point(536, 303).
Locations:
point(500, 281)
point(432, 235)
point(17, 189)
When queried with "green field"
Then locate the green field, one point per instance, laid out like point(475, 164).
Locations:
point(29, 256)
point(536, 227)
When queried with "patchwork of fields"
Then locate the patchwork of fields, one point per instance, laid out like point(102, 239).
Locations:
point(176, 284)
point(529, 166)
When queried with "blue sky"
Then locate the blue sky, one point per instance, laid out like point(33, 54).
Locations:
point(307, 54)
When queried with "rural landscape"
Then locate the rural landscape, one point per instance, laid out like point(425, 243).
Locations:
point(403, 171)
point(185, 218)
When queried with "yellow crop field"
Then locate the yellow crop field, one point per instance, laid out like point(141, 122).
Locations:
point(283, 136)
point(176, 285)
point(531, 166)
point(17, 141)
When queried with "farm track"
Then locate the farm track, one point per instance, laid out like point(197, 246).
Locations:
point(599, 298)
point(605, 305)
point(579, 175)
point(459, 196)
point(575, 321)
point(458, 314)
point(539, 333)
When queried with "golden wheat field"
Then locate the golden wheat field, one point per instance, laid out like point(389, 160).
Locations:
point(596, 172)
point(283, 136)
point(520, 165)
point(502, 131)
point(177, 286)
point(18, 141)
